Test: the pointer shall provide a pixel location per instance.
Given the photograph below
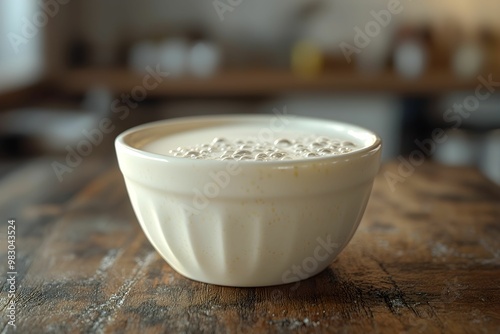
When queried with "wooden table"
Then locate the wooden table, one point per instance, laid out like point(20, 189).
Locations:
point(425, 259)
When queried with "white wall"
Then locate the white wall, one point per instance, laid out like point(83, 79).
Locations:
point(21, 55)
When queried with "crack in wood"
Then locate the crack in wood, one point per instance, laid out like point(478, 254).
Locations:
point(106, 310)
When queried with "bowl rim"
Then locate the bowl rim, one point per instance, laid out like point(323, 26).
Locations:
point(121, 144)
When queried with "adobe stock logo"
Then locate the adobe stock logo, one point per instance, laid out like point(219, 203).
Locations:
point(219, 180)
point(310, 264)
point(209, 191)
point(453, 117)
point(223, 6)
point(363, 38)
point(31, 28)
point(121, 107)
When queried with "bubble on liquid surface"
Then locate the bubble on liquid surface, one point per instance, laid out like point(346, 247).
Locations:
point(261, 156)
point(309, 147)
point(283, 143)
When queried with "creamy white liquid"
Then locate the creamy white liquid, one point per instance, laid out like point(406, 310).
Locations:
point(250, 143)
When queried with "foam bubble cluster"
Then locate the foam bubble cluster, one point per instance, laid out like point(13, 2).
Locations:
point(281, 149)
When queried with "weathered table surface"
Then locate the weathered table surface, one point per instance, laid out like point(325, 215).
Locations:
point(425, 259)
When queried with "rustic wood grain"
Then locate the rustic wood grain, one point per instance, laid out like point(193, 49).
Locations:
point(426, 259)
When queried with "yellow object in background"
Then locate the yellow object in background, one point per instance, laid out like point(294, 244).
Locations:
point(307, 59)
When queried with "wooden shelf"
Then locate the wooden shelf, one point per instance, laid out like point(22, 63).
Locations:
point(263, 83)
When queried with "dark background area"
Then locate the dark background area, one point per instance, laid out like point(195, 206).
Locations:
point(399, 68)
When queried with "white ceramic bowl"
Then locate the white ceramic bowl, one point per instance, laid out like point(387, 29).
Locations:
point(248, 223)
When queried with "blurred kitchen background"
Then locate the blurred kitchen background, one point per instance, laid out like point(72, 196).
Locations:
point(401, 68)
